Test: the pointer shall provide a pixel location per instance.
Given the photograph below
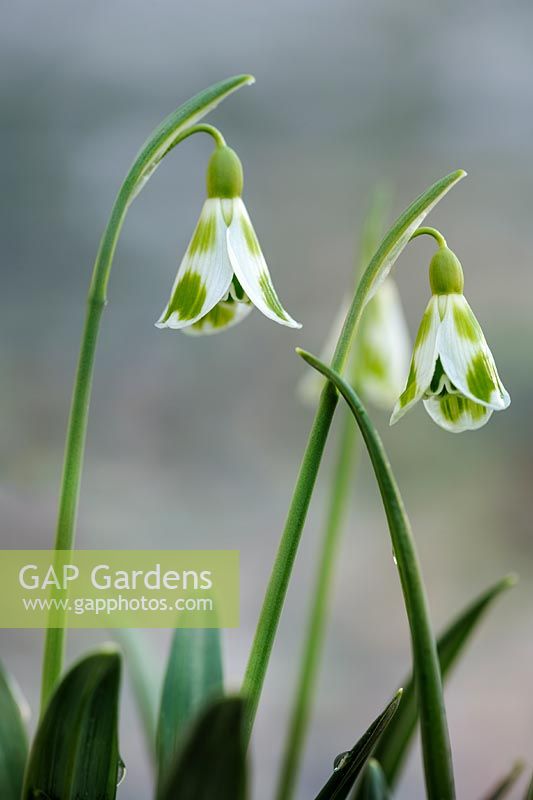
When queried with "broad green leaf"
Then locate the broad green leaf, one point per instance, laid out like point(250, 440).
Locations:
point(75, 755)
point(140, 663)
point(503, 788)
point(350, 764)
point(373, 784)
point(211, 762)
point(193, 677)
point(13, 738)
point(438, 767)
point(394, 744)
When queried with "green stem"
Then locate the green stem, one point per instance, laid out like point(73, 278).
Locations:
point(318, 616)
point(389, 250)
point(433, 727)
point(437, 235)
point(174, 129)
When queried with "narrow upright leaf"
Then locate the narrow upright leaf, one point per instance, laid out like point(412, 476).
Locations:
point(13, 738)
point(438, 767)
point(394, 745)
point(503, 788)
point(145, 678)
point(75, 755)
point(193, 677)
point(350, 764)
point(373, 783)
point(211, 762)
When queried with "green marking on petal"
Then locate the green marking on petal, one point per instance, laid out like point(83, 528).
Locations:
point(204, 237)
point(250, 237)
point(480, 378)
point(452, 407)
point(371, 362)
point(425, 327)
point(188, 297)
point(466, 324)
point(476, 410)
point(219, 316)
point(271, 298)
point(455, 406)
point(409, 394)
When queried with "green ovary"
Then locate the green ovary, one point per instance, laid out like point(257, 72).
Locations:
point(188, 298)
point(480, 379)
point(271, 298)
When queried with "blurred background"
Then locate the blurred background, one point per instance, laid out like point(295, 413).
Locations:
point(196, 443)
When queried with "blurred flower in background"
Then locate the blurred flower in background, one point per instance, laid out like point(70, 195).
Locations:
point(379, 359)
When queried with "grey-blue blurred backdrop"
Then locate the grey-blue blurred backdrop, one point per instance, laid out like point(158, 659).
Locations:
point(197, 443)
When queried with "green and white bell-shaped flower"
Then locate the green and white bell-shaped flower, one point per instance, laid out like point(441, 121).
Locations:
point(452, 368)
point(223, 274)
point(379, 359)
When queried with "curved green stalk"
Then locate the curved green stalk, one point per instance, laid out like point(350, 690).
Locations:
point(380, 265)
point(170, 132)
point(434, 730)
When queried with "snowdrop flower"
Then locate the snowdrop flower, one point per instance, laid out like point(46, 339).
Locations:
point(379, 358)
point(223, 274)
point(452, 368)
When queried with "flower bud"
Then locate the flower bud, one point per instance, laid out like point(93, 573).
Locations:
point(224, 173)
point(446, 272)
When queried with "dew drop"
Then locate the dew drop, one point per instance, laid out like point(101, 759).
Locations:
point(394, 557)
point(121, 772)
point(340, 760)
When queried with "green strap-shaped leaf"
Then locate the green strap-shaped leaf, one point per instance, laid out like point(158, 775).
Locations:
point(438, 767)
point(141, 665)
point(394, 744)
point(349, 765)
point(193, 677)
point(212, 760)
point(75, 754)
point(504, 786)
point(13, 739)
point(373, 784)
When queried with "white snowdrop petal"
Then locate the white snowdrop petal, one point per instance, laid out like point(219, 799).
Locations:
point(466, 358)
point(205, 273)
point(250, 267)
point(422, 363)
point(456, 413)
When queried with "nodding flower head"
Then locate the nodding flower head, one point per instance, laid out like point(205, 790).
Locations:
point(452, 368)
point(223, 274)
point(379, 358)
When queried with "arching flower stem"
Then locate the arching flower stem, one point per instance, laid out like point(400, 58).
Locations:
point(175, 128)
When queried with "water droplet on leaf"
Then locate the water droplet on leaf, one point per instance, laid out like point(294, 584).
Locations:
point(340, 760)
point(121, 772)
